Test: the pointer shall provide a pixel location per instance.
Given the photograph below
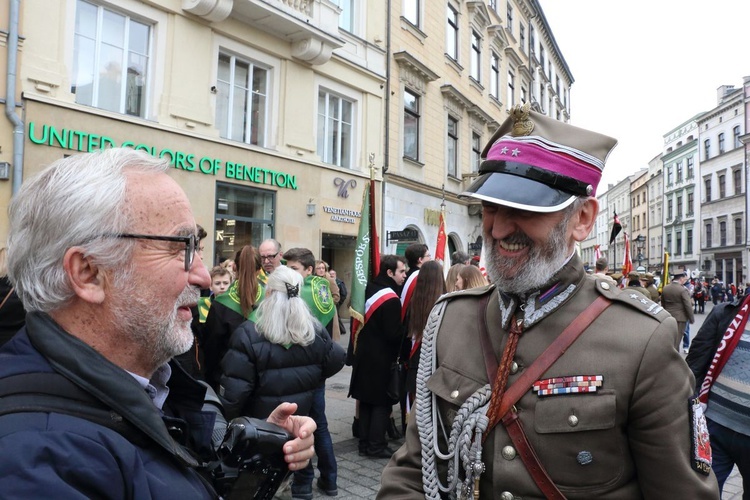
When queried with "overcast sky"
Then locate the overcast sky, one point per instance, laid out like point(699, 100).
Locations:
point(642, 68)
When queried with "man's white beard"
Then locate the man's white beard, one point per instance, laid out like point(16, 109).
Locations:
point(533, 270)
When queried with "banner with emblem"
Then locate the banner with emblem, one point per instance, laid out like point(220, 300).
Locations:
point(316, 293)
point(664, 271)
point(442, 241)
point(627, 264)
point(362, 264)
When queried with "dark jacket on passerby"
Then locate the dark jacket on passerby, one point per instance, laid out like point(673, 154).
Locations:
point(709, 336)
point(72, 457)
point(257, 375)
point(342, 291)
point(377, 347)
point(217, 330)
point(12, 314)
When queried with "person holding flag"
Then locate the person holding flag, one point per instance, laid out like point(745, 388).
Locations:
point(416, 254)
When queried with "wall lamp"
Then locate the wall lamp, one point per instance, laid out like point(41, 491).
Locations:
point(310, 209)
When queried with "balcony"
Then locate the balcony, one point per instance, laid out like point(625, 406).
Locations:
point(310, 26)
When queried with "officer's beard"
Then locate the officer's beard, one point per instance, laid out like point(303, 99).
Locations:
point(529, 272)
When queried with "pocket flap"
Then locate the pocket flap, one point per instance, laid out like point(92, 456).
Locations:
point(452, 386)
point(575, 412)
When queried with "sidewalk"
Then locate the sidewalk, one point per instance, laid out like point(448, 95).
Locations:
point(359, 477)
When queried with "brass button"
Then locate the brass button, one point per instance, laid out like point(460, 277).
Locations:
point(605, 285)
point(509, 453)
point(572, 420)
point(513, 368)
point(507, 495)
point(454, 394)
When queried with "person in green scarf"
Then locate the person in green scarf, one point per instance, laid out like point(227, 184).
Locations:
point(317, 295)
point(230, 309)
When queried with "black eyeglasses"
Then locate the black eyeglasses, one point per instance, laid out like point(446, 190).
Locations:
point(269, 257)
point(191, 243)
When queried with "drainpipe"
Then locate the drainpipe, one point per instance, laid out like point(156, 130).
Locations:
point(10, 98)
point(387, 137)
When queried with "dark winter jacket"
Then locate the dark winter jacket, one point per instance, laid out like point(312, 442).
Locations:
point(217, 330)
point(51, 455)
point(378, 346)
point(704, 345)
point(257, 375)
point(12, 314)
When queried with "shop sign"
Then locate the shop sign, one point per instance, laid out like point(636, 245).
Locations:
point(77, 140)
point(405, 235)
point(344, 186)
point(431, 217)
point(342, 214)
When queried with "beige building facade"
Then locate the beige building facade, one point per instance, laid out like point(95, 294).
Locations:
point(456, 68)
point(270, 113)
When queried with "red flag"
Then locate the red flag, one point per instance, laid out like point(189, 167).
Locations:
point(627, 264)
point(441, 239)
point(374, 245)
point(597, 252)
point(616, 228)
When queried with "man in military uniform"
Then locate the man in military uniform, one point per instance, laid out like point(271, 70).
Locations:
point(650, 285)
point(607, 417)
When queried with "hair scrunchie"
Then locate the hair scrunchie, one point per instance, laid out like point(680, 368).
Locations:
point(292, 290)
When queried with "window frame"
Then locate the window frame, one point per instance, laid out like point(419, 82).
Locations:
point(417, 115)
point(132, 12)
point(475, 65)
point(413, 7)
point(452, 138)
point(325, 155)
point(495, 75)
point(452, 26)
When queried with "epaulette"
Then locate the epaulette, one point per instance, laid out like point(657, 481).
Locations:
point(471, 292)
point(632, 299)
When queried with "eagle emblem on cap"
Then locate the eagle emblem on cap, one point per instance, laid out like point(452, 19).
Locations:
point(522, 124)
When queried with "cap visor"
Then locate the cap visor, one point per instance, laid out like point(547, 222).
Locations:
point(518, 192)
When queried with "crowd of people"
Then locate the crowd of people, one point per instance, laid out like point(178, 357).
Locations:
point(135, 362)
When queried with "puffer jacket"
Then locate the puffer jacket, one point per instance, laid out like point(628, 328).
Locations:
point(53, 455)
point(257, 375)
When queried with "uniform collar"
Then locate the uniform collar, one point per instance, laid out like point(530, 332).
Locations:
point(536, 305)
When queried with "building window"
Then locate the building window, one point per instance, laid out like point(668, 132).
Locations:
point(495, 76)
point(476, 56)
point(722, 233)
point(511, 89)
point(510, 18)
point(689, 241)
point(738, 231)
point(522, 37)
point(244, 216)
point(709, 235)
point(451, 37)
point(542, 61)
point(335, 118)
point(678, 243)
point(737, 180)
point(669, 176)
point(669, 209)
point(524, 96)
point(241, 100)
point(706, 149)
point(476, 151)
point(736, 133)
point(493, 5)
point(707, 189)
point(722, 186)
point(532, 39)
point(411, 11)
point(111, 58)
point(690, 166)
point(452, 144)
point(346, 17)
point(669, 243)
point(411, 125)
point(679, 206)
point(721, 143)
point(678, 166)
point(690, 200)
point(557, 84)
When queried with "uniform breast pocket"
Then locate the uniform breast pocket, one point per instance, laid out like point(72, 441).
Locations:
point(452, 388)
point(579, 440)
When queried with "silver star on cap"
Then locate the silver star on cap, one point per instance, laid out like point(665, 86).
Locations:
point(515, 152)
point(504, 151)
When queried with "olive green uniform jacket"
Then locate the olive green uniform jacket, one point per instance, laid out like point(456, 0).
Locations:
point(635, 428)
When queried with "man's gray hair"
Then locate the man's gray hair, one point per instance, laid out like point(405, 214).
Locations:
point(76, 201)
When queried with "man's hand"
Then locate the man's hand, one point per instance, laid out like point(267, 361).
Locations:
point(298, 451)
